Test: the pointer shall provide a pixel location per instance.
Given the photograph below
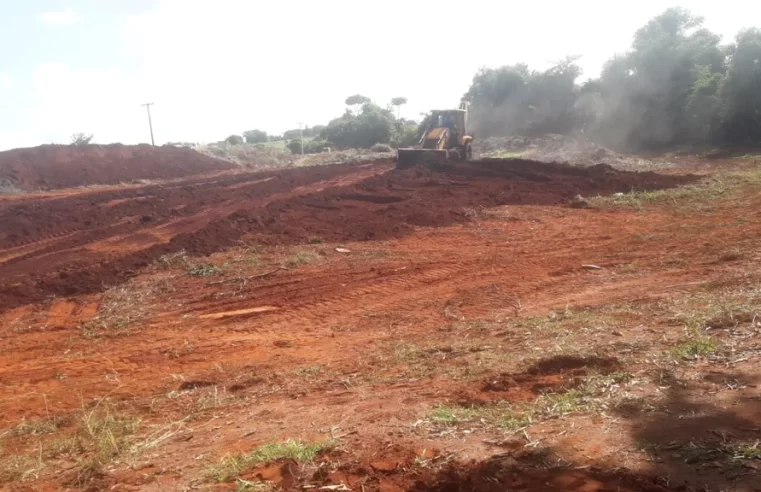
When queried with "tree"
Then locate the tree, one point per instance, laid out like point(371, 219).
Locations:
point(81, 139)
point(514, 99)
point(740, 111)
point(310, 146)
point(255, 136)
point(370, 126)
point(291, 134)
point(357, 101)
point(405, 135)
point(234, 140)
point(398, 102)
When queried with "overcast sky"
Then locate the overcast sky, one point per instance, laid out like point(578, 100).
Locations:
point(218, 67)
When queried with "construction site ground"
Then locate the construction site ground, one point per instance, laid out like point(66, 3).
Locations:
point(471, 327)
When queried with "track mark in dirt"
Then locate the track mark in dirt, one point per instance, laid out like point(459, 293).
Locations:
point(239, 312)
point(109, 254)
point(60, 312)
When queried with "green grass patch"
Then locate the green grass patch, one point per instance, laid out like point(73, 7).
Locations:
point(203, 270)
point(745, 451)
point(575, 400)
point(695, 348)
point(232, 466)
point(698, 195)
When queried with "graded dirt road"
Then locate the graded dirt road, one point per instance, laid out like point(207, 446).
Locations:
point(425, 330)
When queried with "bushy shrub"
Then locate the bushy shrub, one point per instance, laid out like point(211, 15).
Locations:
point(234, 140)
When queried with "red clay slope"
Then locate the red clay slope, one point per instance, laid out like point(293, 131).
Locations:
point(65, 166)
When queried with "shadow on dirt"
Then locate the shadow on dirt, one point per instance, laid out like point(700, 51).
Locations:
point(692, 446)
point(533, 471)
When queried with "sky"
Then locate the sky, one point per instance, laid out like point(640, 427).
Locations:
point(216, 68)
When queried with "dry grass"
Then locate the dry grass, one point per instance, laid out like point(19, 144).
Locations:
point(19, 468)
point(173, 261)
point(33, 427)
point(124, 307)
point(107, 435)
point(101, 436)
point(301, 258)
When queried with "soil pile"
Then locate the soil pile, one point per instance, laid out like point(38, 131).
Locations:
point(392, 204)
point(66, 166)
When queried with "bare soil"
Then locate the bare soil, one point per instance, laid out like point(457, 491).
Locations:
point(437, 325)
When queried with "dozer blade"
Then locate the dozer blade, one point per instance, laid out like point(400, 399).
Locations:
point(410, 157)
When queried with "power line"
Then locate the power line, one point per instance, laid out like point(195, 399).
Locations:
point(150, 124)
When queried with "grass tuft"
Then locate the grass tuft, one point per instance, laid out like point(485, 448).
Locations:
point(232, 466)
point(301, 258)
point(108, 434)
point(695, 348)
point(35, 427)
point(19, 468)
point(203, 270)
point(746, 451)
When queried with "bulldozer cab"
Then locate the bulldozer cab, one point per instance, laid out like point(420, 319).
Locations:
point(454, 119)
point(451, 119)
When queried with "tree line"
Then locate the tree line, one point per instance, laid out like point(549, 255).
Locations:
point(363, 124)
point(678, 84)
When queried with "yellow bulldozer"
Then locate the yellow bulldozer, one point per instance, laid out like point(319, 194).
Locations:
point(446, 139)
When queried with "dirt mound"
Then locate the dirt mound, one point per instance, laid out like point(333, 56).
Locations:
point(65, 166)
point(213, 215)
point(392, 204)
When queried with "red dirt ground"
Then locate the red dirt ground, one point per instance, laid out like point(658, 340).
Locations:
point(81, 243)
point(51, 167)
point(361, 346)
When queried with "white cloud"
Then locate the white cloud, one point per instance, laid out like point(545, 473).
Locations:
point(62, 18)
point(99, 102)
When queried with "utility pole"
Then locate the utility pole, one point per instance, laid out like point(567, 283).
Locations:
point(150, 124)
point(301, 134)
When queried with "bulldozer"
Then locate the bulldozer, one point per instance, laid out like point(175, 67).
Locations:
point(445, 140)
